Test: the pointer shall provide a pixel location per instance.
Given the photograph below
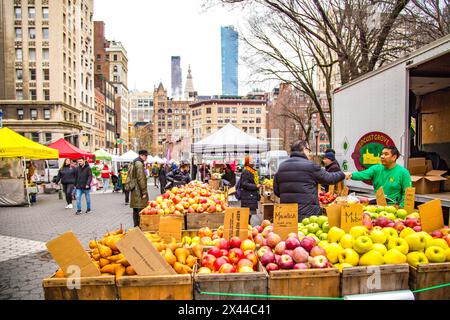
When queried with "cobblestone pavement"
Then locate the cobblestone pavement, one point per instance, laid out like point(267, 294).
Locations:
point(24, 260)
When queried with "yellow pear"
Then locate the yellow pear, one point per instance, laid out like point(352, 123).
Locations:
point(181, 254)
point(116, 257)
point(104, 262)
point(178, 267)
point(191, 260)
point(93, 244)
point(124, 262)
point(104, 251)
point(120, 271)
point(170, 257)
point(130, 271)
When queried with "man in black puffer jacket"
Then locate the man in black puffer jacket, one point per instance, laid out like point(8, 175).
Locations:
point(297, 179)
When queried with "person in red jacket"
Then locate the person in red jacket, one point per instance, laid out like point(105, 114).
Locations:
point(106, 175)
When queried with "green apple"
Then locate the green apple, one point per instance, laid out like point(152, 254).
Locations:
point(378, 236)
point(391, 216)
point(333, 251)
point(370, 209)
point(402, 213)
point(416, 241)
point(326, 226)
point(321, 220)
point(313, 227)
point(438, 243)
point(319, 232)
point(373, 215)
point(335, 234)
point(390, 209)
point(363, 244)
point(381, 248)
point(390, 232)
point(349, 256)
point(304, 230)
point(358, 231)
point(305, 221)
point(346, 241)
point(371, 258)
point(394, 256)
point(323, 236)
point(436, 254)
point(414, 215)
point(383, 214)
point(380, 209)
point(415, 258)
point(406, 232)
point(398, 243)
point(313, 219)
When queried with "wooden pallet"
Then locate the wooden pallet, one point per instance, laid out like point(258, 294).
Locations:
point(196, 221)
point(91, 288)
point(362, 280)
point(429, 275)
point(167, 287)
point(239, 283)
point(305, 283)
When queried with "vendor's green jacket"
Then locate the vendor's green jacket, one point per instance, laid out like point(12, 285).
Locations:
point(394, 181)
point(141, 185)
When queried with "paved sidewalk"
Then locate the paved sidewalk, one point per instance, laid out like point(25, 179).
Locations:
point(24, 260)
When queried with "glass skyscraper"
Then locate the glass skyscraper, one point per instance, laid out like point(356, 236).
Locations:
point(176, 77)
point(229, 39)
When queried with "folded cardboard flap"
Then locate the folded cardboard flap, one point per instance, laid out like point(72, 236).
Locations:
point(142, 255)
point(170, 227)
point(417, 166)
point(68, 252)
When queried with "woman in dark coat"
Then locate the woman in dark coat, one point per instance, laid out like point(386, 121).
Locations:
point(163, 178)
point(331, 165)
point(229, 176)
point(67, 177)
point(250, 186)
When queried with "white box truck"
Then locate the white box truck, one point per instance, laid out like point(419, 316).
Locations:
point(405, 103)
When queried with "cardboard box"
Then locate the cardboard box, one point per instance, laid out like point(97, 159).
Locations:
point(142, 255)
point(236, 222)
point(70, 255)
point(423, 177)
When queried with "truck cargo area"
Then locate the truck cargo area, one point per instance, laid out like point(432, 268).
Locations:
point(429, 108)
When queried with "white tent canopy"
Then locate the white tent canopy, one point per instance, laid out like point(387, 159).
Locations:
point(229, 140)
point(158, 160)
point(150, 159)
point(128, 156)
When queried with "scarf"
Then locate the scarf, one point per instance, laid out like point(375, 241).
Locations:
point(254, 173)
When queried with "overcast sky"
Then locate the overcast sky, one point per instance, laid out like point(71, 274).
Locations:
point(154, 30)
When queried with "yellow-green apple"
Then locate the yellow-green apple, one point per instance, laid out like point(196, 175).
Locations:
point(335, 234)
point(437, 243)
point(401, 213)
point(363, 244)
point(380, 248)
point(333, 251)
point(378, 236)
point(349, 256)
point(313, 227)
point(204, 270)
point(371, 258)
point(416, 241)
point(416, 257)
point(300, 255)
point(358, 231)
point(248, 244)
point(390, 233)
point(323, 244)
point(286, 262)
point(406, 232)
point(346, 241)
point(321, 220)
point(394, 256)
point(436, 254)
point(227, 268)
point(398, 243)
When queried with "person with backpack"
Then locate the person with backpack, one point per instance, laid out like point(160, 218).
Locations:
point(179, 177)
point(247, 189)
point(137, 184)
point(67, 177)
point(155, 174)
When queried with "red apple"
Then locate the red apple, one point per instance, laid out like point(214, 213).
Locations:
point(259, 239)
point(272, 267)
point(208, 261)
point(259, 228)
point(235, 255)
point(215, 252)
point(277, 259)
point(268, 257)
point(263, 250)
point(293, 235)
point(266, 231)
point(248, 244)
point(289, 252)
point(205, 232)
point(436, 234)
point(447, 238)
point(235, 242)
point(219, 262)
point(300, 255)
point(280, 247)
point(318, 251)
point(308, 243)
point(224, 252)
point(292, 243)
point(301, 266)
point(273, 239)
point(245, 262)
point(252, 257)
point(286, 262)
point(417, 228)
point(223, 244)
point(227, 268)
point(265, 223)
point(254, 232)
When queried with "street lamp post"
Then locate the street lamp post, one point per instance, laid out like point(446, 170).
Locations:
point(317, 141)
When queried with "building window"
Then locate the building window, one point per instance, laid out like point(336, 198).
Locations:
point(258, 110)
point(227, 110)
point(33, 114)
point(47, 114)
point(19, 114)
point(18, 54)
point(115, 57)
point(47, 95)
point(45, 34)
point(244, 110)
point(18, 32)
point(234, 110)
point(227, 120)
point(115, 78)
point(252, 111)
point(46, 74)
point(220, 110)
point(18, 13)
point(244, 129)
point(33, 94)
point(19, 95)
point(220, 121)
point(258, 120)
point(19, 74)
point(32, 74)
point(258, 130)
point(32, 33)
point(44, 13)
point(31, 13)
point(252, 130)
point(115, 69)
point(233, 120)
point(32, 54)
point(35, 136)
point(208, 110)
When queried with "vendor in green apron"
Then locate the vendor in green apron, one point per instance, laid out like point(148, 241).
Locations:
point(393, 177)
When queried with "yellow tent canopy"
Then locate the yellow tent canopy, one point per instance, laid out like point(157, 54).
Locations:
point(13, 145)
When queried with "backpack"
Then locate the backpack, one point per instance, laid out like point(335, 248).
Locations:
point(237, 195)
point(130, 182)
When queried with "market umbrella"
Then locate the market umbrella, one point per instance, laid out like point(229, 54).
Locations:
point(128, 156)
point(68, 150)
point(14, 145)
point(103, 155)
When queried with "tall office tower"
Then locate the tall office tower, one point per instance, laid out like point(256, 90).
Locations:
point(176, 77)
point(229, 40)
